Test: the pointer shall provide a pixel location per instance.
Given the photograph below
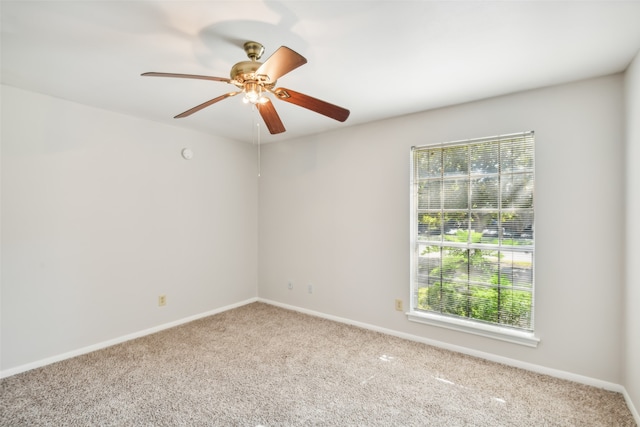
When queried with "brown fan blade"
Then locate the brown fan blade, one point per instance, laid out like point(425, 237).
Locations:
point(187, 76)
point(270, 117)
point(332, 111)
point(205, 104)
point(280, 63)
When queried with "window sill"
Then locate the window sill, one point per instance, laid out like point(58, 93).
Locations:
point(461, 325)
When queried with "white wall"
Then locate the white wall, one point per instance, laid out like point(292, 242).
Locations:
point(334, 212)
point(100, 215)
point(632, 227)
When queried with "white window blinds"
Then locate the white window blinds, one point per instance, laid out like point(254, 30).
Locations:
point(473, 234)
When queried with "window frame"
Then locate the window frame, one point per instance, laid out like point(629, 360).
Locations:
point(463, 324)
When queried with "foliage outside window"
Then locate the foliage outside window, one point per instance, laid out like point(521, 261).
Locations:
point(473, 234)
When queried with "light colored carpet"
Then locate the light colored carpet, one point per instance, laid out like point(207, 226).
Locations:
point(263, 365)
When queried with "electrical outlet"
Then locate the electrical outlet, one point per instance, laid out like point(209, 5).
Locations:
point(162, 300)
point(290, 285)
point(310, 288)
point(399, 304)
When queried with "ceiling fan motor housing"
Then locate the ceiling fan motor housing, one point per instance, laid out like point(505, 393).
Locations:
point(245, 71)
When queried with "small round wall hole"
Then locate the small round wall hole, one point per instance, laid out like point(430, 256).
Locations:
point(187, 153)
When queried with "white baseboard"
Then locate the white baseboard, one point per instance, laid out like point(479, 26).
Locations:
point(459, 349)
point(632, 408)
point(68, 355)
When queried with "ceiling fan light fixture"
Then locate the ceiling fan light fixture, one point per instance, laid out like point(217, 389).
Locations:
point(253, 93)
point(261, 100)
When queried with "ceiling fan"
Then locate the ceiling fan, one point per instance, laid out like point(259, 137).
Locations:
point(255, 79)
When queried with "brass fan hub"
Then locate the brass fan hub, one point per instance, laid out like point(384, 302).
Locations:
point(245, 71)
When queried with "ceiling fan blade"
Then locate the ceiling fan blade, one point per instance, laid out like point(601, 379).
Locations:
point(280, 63)
point(187, 76)
point(332, 111)
point(270, 117)
point(205, 104)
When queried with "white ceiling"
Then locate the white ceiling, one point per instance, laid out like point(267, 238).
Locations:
point(379, 59)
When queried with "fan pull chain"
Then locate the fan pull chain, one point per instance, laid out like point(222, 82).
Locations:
point(256, 131)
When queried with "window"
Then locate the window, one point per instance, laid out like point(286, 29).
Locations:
point(473, 236)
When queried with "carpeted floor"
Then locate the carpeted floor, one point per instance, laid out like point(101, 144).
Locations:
point(263, 365)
